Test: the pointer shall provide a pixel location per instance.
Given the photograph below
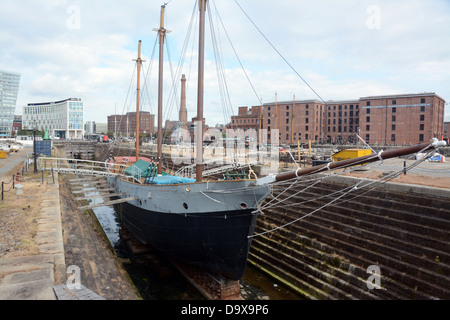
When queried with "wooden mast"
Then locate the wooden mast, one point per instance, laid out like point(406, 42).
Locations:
point(200, 93)
point(162, 35)
point(138, 96)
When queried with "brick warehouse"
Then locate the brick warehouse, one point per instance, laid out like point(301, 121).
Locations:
point(380, 120)
point(126, 124)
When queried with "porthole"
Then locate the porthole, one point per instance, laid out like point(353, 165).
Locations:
point(243, 205)
point(185, 205)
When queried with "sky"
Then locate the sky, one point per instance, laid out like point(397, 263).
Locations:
point(343, 49)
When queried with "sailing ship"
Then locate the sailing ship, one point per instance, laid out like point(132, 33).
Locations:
point(208, 224)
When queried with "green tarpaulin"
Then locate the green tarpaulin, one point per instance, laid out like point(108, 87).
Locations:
point(142, 169)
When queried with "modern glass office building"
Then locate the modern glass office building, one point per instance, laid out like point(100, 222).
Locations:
point(62, 119)
point(9, 88)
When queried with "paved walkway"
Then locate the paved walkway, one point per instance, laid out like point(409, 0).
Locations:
point(11, 161)
point(33, 277)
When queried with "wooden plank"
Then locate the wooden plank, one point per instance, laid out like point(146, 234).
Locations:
point(89, 182)
point(108, 203)
point(94, 190)
point(106, 195)
point(78, 188)
point(80, 179)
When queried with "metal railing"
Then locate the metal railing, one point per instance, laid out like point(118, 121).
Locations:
point(88, 168)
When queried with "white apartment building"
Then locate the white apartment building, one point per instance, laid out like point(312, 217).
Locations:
point(62, 119)
point(9, 88)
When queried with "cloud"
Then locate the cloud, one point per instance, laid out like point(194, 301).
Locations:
point(343, 49)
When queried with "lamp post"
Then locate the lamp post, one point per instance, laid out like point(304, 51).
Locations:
point(34, 147)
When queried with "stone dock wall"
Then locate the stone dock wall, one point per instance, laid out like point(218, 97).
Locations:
point(387, 243)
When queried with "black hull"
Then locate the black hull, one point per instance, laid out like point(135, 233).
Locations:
point(207, 240)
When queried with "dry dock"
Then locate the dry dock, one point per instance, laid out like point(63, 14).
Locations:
point(389, 243)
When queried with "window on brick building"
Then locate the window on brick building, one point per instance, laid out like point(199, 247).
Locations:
point(368, 103)
point(422, 100)
point(367, 128)
point(367, 119)
point(422, 117)
point(368, 111)
point(394, 110)
point(393, 127)
point(421, 137)
point(367, 138)
point(393, 137)
point(394, 118)
point(422, 108)
point(306, 128)
point(422, 127)
point(394, 102)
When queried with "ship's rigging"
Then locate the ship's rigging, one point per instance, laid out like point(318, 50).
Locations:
point(288, 182)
